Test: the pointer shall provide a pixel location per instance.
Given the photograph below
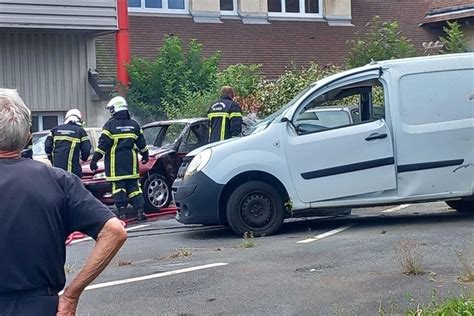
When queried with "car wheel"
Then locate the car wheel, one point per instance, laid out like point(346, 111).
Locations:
point(462, 205)
point(255, 207)
point(157, 193)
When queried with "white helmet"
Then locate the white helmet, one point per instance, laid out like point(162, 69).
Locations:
point(117, 104)
point(74, 116)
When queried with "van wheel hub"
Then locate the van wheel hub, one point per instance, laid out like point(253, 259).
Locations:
point(257, 210)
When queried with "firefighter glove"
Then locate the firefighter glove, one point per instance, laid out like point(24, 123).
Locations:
point(93, 165)
point(145, 157)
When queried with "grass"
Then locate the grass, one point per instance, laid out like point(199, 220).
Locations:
point(452, 307)
point(409, 257)
point(248, 240)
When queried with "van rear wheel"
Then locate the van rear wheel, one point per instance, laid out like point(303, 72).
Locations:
point(255, 207)
point(462, 205)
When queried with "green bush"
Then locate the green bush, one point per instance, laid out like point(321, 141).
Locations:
point(192, 104)
point(381, 41)
point(454, 42)
point(245, 79)
point(272, 95)
point(170, 78)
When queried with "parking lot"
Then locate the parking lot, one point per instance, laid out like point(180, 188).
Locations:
point(317, 266)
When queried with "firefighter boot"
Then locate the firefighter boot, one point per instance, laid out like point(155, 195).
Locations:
point(140, 215)
point(122, 213)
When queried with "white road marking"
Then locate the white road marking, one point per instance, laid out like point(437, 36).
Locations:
point(400, 207)
point(127, 229)
point(152, 276)
point(326, 234)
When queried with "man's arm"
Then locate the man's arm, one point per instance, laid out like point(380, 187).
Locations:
point(48, 146)
point(141, 144)
point(109, 240)
point(235, 120)
point(85, 146)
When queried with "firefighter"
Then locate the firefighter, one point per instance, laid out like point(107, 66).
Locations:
point(225, 117)
point(68, 143)
point(119, 142)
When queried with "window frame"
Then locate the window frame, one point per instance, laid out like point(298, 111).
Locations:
point(227, 12)
point(329, 88)
point(40, 115)
point(164, 9)
point(302, 14)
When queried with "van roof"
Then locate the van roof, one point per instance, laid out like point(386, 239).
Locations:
point(466, 59)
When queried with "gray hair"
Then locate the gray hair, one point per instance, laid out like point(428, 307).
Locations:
point(15, 121)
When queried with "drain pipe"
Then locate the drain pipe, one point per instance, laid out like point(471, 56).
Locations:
point(122, 46)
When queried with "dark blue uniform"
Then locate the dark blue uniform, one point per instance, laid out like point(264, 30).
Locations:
point(41, 207)
point(121, 140)
point(65, 145)
point(225, 120)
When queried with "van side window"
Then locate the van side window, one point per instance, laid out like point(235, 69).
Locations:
point(340, 107)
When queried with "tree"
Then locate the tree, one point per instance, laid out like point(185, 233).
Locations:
point(168, 79)
point(381, 41)
point(454, 42)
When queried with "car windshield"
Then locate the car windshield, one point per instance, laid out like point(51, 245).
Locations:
point(38, 144)
point(270, 118)
point(163, 135)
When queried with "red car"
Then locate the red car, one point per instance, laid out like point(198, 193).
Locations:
point(168, 142)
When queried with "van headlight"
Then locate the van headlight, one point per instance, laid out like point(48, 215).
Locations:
point(100, 175)
point(198, 162)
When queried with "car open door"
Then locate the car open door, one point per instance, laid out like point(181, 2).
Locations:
point(340, 161)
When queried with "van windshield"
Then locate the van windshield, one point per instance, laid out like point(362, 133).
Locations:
point(263, 124)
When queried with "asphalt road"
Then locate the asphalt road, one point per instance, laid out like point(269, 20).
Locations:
point(322, 266)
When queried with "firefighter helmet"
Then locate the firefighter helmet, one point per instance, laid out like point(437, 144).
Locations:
point(117, 104)
point(74, 116)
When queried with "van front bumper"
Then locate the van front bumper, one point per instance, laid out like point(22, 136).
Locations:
point(197, 200)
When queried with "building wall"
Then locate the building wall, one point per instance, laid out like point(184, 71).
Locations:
point(275, 44)
point(49, 70)
point(54, 14)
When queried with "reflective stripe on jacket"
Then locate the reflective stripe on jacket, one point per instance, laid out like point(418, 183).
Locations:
point(119, 143)
point(225, 119)
point(67, 144)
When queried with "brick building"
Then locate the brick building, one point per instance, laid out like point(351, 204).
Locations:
point(268, 32)
point(441, 11)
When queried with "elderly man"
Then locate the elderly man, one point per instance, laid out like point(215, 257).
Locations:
point(40, 207)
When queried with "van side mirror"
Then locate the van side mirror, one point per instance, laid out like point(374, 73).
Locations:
point(287, 120)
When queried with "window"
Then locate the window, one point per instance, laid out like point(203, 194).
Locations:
point(227, 5)
point(45, 121)
point(294, 8)
point(167, 6)
point(343, 106)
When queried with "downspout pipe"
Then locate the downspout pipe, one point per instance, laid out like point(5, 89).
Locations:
point(122, 46)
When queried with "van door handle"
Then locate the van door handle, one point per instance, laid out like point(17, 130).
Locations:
point(375, 136)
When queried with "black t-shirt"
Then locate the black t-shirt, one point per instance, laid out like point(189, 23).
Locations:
point(39, 207)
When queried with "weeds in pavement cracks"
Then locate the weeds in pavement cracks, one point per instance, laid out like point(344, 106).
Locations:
point(467, 263)
point(248, 240)
point(69, 268)
point(409, 256)
point(391, 309)
point(122, 263)
point(181, 252)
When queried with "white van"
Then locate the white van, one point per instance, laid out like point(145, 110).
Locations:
point(417, 146)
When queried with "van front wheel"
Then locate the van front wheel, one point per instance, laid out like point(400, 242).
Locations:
point(255, 207)
point(462, 205)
